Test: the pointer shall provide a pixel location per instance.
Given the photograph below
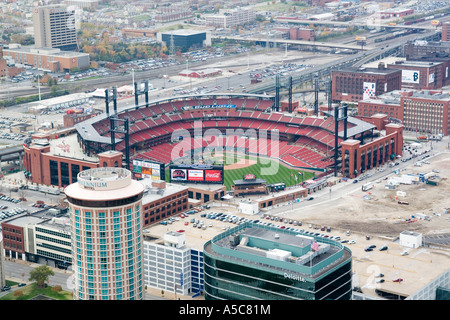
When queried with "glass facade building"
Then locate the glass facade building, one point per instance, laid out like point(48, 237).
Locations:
point(105, 207)
point(252, 262)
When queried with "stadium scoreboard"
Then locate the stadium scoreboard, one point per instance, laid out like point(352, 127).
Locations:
point(145, 169)
point(196, 173)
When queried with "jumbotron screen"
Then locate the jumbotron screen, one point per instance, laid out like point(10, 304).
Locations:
point(145, 169)
point(196, 173)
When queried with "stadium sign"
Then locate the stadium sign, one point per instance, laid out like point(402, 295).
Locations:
point(210, 106)
point(196, 173)
point(146, 169)
point(249, 176)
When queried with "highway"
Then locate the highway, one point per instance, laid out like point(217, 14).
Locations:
point(294, 42)
point(385, 49)
point(355, 24)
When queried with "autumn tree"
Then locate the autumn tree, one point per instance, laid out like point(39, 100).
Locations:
point(40, 275)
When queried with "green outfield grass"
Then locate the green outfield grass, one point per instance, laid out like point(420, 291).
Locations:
point(269, 170)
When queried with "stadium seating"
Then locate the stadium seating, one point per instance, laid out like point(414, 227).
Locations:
point(312, 148)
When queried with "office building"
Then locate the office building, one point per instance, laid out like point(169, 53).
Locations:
point(2, 265)
point(162, 200)
point(185, 38)
point(105, 207)
point(252, 261)
point(167, 263)
point(48, 59)
point(230, 18)
point(445, 31)
point(414, 49)
point(426, 75)
point(49, 241)
point(54, 27)
point(355, 84)
point(388, 104)
point(426, 111)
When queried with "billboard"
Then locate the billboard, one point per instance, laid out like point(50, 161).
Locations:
point(410, 76)
point(178, 174)
point(146, 169)
point(196, 173)
point(213, 175)
point(369, 89)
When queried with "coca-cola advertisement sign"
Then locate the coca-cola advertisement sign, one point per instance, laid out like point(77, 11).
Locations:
point(213, 175)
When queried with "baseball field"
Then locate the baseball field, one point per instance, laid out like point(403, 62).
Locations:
point(272, 171)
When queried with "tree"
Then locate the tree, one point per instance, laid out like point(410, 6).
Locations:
point(18, 293)
point(40, 275)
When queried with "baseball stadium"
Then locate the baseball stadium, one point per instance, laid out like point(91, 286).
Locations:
point(244, 133)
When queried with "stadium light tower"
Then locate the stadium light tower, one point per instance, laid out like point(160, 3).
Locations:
point(340, 114)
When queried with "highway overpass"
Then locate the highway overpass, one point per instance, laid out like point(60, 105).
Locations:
point(356, 24)
point(282, 42)
point(324, 71)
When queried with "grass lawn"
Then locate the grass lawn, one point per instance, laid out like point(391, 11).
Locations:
point(30, 291)
point(269, 170)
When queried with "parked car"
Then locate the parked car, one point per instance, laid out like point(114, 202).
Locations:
point(398, 280)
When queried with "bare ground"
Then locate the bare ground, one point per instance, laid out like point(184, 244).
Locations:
point(382, 215)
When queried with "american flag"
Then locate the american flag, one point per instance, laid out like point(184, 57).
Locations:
point(314, 245)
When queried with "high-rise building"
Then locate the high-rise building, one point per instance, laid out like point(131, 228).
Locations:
point(251, 262)
point(105, 207)
point(54, 27)
point(2, 266)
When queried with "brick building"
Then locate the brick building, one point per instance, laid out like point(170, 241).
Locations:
point(414, 49)
point(388, 104)
point(50, 59)
point(358, 157)
point(445, 31)
point(426, 75)
point(355, 84)
point(425, 111)
point(70, 119)
point(296, 33)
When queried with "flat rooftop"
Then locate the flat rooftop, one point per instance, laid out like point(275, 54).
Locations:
point(45, 51)
point(420, 64)
point(153, 193)
point(185, 32)
point(420, 267)
point(69, 147)
point(384, 71)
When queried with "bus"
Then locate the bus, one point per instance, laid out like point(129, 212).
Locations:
point(367, 186)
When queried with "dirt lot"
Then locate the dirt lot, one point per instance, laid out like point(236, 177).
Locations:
point(380, 214)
